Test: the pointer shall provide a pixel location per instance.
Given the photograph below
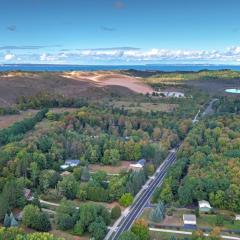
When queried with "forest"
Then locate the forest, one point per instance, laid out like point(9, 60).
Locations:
point(33, 150)
point(208, 163)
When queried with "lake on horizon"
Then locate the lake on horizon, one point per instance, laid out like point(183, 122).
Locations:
point(167, 68)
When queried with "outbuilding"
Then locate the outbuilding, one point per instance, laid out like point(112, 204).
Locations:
point(189, 220)
point(204, 206)
point(70, 163)
point(138, 165)
point(237, 218)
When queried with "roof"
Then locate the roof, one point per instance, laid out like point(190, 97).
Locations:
point(204, 204)
point(64, 166)
point(189, 218)
point(137, 165)
point(141, 162)
point(72, 161)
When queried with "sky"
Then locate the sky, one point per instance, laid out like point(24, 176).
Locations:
point(122, 32)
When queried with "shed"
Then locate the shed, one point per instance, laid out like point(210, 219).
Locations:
point(141, 162)
point(237, 218)
point(204, 206)
point(189, 220)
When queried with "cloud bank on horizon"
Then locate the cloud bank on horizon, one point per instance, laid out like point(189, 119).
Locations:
point(119, 55)
point(146, 31)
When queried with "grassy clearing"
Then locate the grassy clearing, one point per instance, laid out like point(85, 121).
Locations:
point(165, 236)
point(7, 120)
point(109, 169)
point(145, 106)
point(210, 221)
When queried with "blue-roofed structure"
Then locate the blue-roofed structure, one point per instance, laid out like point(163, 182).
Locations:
point(141, 162)
point(70, 163)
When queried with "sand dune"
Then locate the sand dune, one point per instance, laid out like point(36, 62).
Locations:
point(101, 78)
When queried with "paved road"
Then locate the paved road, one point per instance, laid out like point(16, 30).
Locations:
point(209, 109)
point(139, 204)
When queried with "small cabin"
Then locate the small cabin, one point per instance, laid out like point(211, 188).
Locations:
point(189, 220)
point(138, 165)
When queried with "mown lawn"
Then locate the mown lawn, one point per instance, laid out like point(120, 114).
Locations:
point(210, 221)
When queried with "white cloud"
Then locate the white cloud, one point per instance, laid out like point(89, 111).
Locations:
point(131, 55)
point(9, 57)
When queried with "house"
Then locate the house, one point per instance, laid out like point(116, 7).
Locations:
point(237, 218)
point(70, 163)
point(27, 194)
point(204, 206)
point(189, 220)
point(138, 165)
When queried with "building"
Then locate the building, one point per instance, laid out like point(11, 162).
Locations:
point(138, 165)
point(70, 163)
point(27, 194)
point(204, 206)
point(189, 220)
point(237, 218)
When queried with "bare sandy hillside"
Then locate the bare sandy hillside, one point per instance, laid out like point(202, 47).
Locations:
point(69, 84)
point(103, 78)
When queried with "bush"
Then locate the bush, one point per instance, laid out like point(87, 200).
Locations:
point(126, 199)
point(219, 220)
point(78, 228)
point(34, 218)
point(116, 212)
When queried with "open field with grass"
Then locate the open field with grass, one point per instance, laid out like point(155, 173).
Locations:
point(7, 120)
point(110, 169)
point(145, 106)
point(210, 221)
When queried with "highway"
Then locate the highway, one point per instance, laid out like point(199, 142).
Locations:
point(139, 204)
point(125, 222)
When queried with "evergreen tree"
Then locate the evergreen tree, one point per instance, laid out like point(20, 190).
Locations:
point(13, 223)
point(85, 174)
point(158, 213)
point(7, 221)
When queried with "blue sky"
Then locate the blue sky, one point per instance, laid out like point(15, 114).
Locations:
point(119, 31)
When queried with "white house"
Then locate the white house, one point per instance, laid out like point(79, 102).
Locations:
point(189, 220)
point(70, 163)
point(204, 206)
point(237, 218)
